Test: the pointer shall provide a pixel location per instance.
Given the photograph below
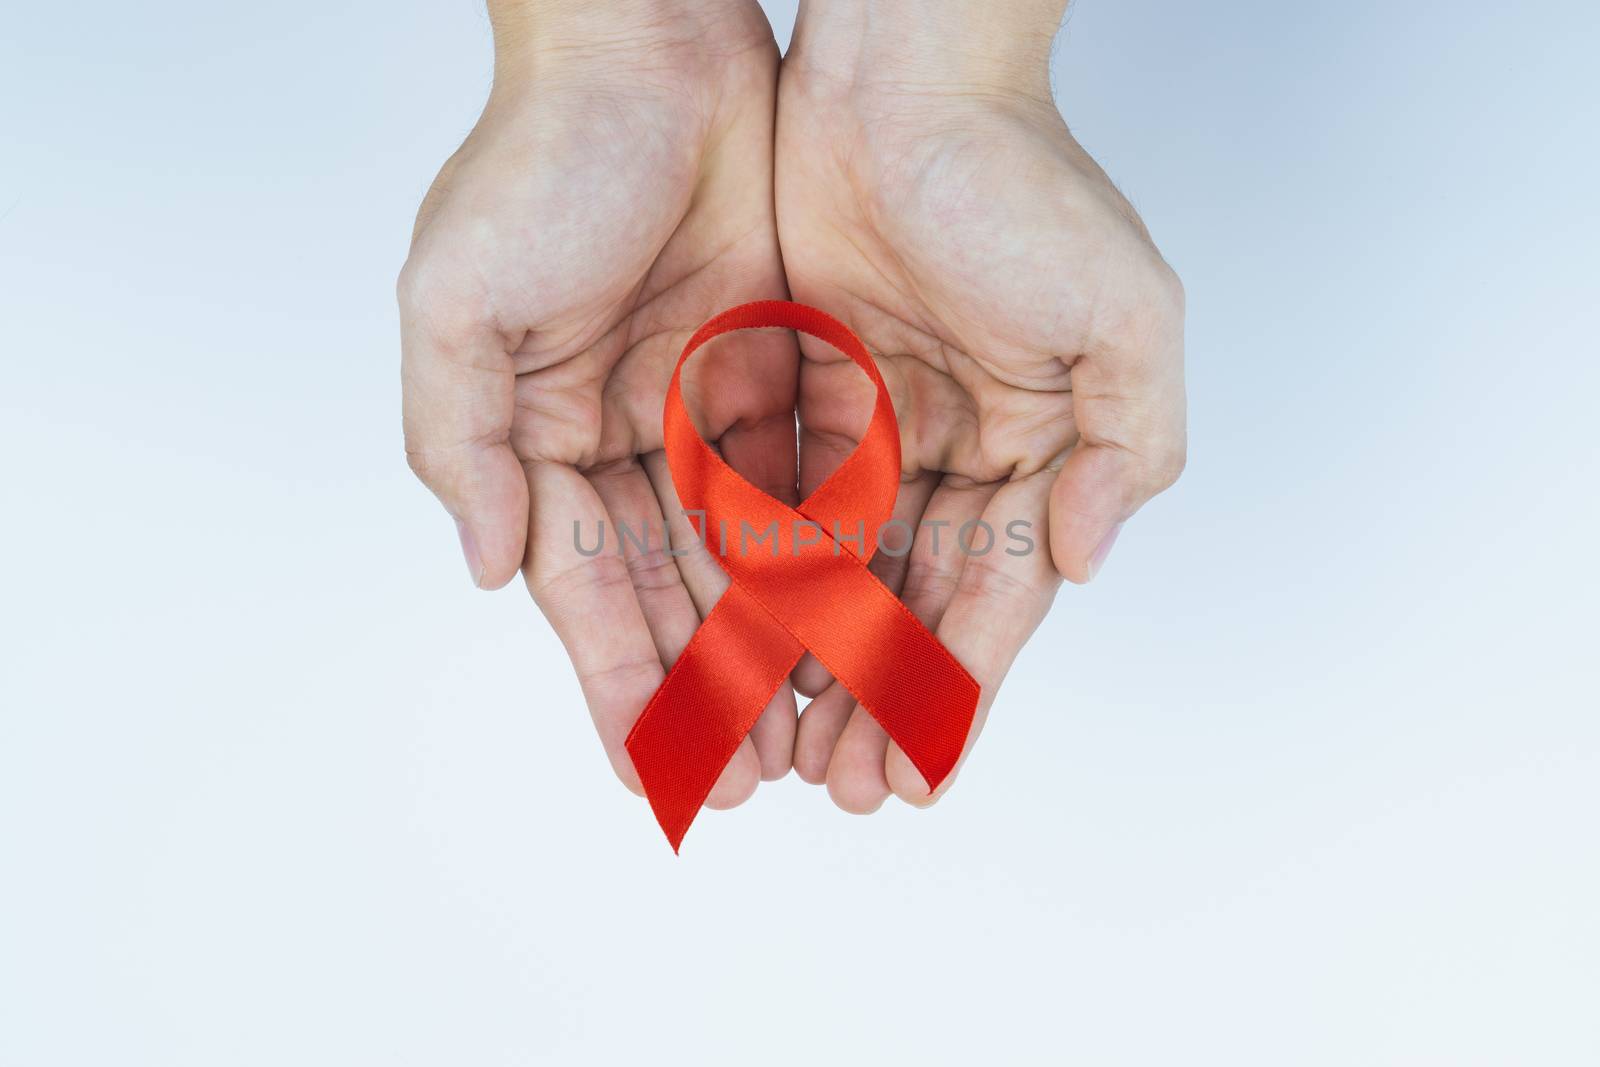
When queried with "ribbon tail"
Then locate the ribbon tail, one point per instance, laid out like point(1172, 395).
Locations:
point(935, 760)
point(717, 689)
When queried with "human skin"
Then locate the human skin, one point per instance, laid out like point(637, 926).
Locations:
point(615, 193)
point(930, 195)
point(619, 190)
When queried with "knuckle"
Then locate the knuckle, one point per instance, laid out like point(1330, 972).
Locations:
point(653, 571)
point(988, 583)
point(557, 579)
point(440, 467)
point(1144, 325)
point(417, 432)
point(1168, 293)
point(434, 468)
point(627, 674)
point(417, 459)
point(1165, 465)
point(928, 585)
point(411, 286)
point(435, 298)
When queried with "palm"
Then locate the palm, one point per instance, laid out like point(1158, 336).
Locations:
point(967, 259)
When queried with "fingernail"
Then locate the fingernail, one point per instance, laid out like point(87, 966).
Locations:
point(469, 548)
point(1103, 550)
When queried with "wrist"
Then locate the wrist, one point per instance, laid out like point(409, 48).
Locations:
point(977, 46)
point(575, 37)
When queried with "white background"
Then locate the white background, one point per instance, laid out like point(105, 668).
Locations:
point(1310, 776)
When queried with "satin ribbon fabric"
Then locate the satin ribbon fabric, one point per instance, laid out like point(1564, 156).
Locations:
point(800, 581)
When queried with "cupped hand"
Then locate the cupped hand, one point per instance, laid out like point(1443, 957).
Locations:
point(929, 195)
point(615, 194)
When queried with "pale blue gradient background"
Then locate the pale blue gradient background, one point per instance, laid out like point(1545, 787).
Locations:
point(1310, 777)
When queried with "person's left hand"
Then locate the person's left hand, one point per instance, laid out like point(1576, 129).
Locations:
point(1030, 334)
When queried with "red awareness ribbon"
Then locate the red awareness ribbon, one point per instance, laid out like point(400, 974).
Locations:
point(805, 587)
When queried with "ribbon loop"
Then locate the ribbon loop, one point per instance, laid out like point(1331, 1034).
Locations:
point(810, 589)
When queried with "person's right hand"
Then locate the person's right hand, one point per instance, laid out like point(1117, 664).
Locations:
point(616, 192)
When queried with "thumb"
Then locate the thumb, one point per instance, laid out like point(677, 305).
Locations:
point(1128, 403)
point(457, 391)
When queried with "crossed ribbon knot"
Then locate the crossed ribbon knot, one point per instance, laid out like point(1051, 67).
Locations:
point(808, 592)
